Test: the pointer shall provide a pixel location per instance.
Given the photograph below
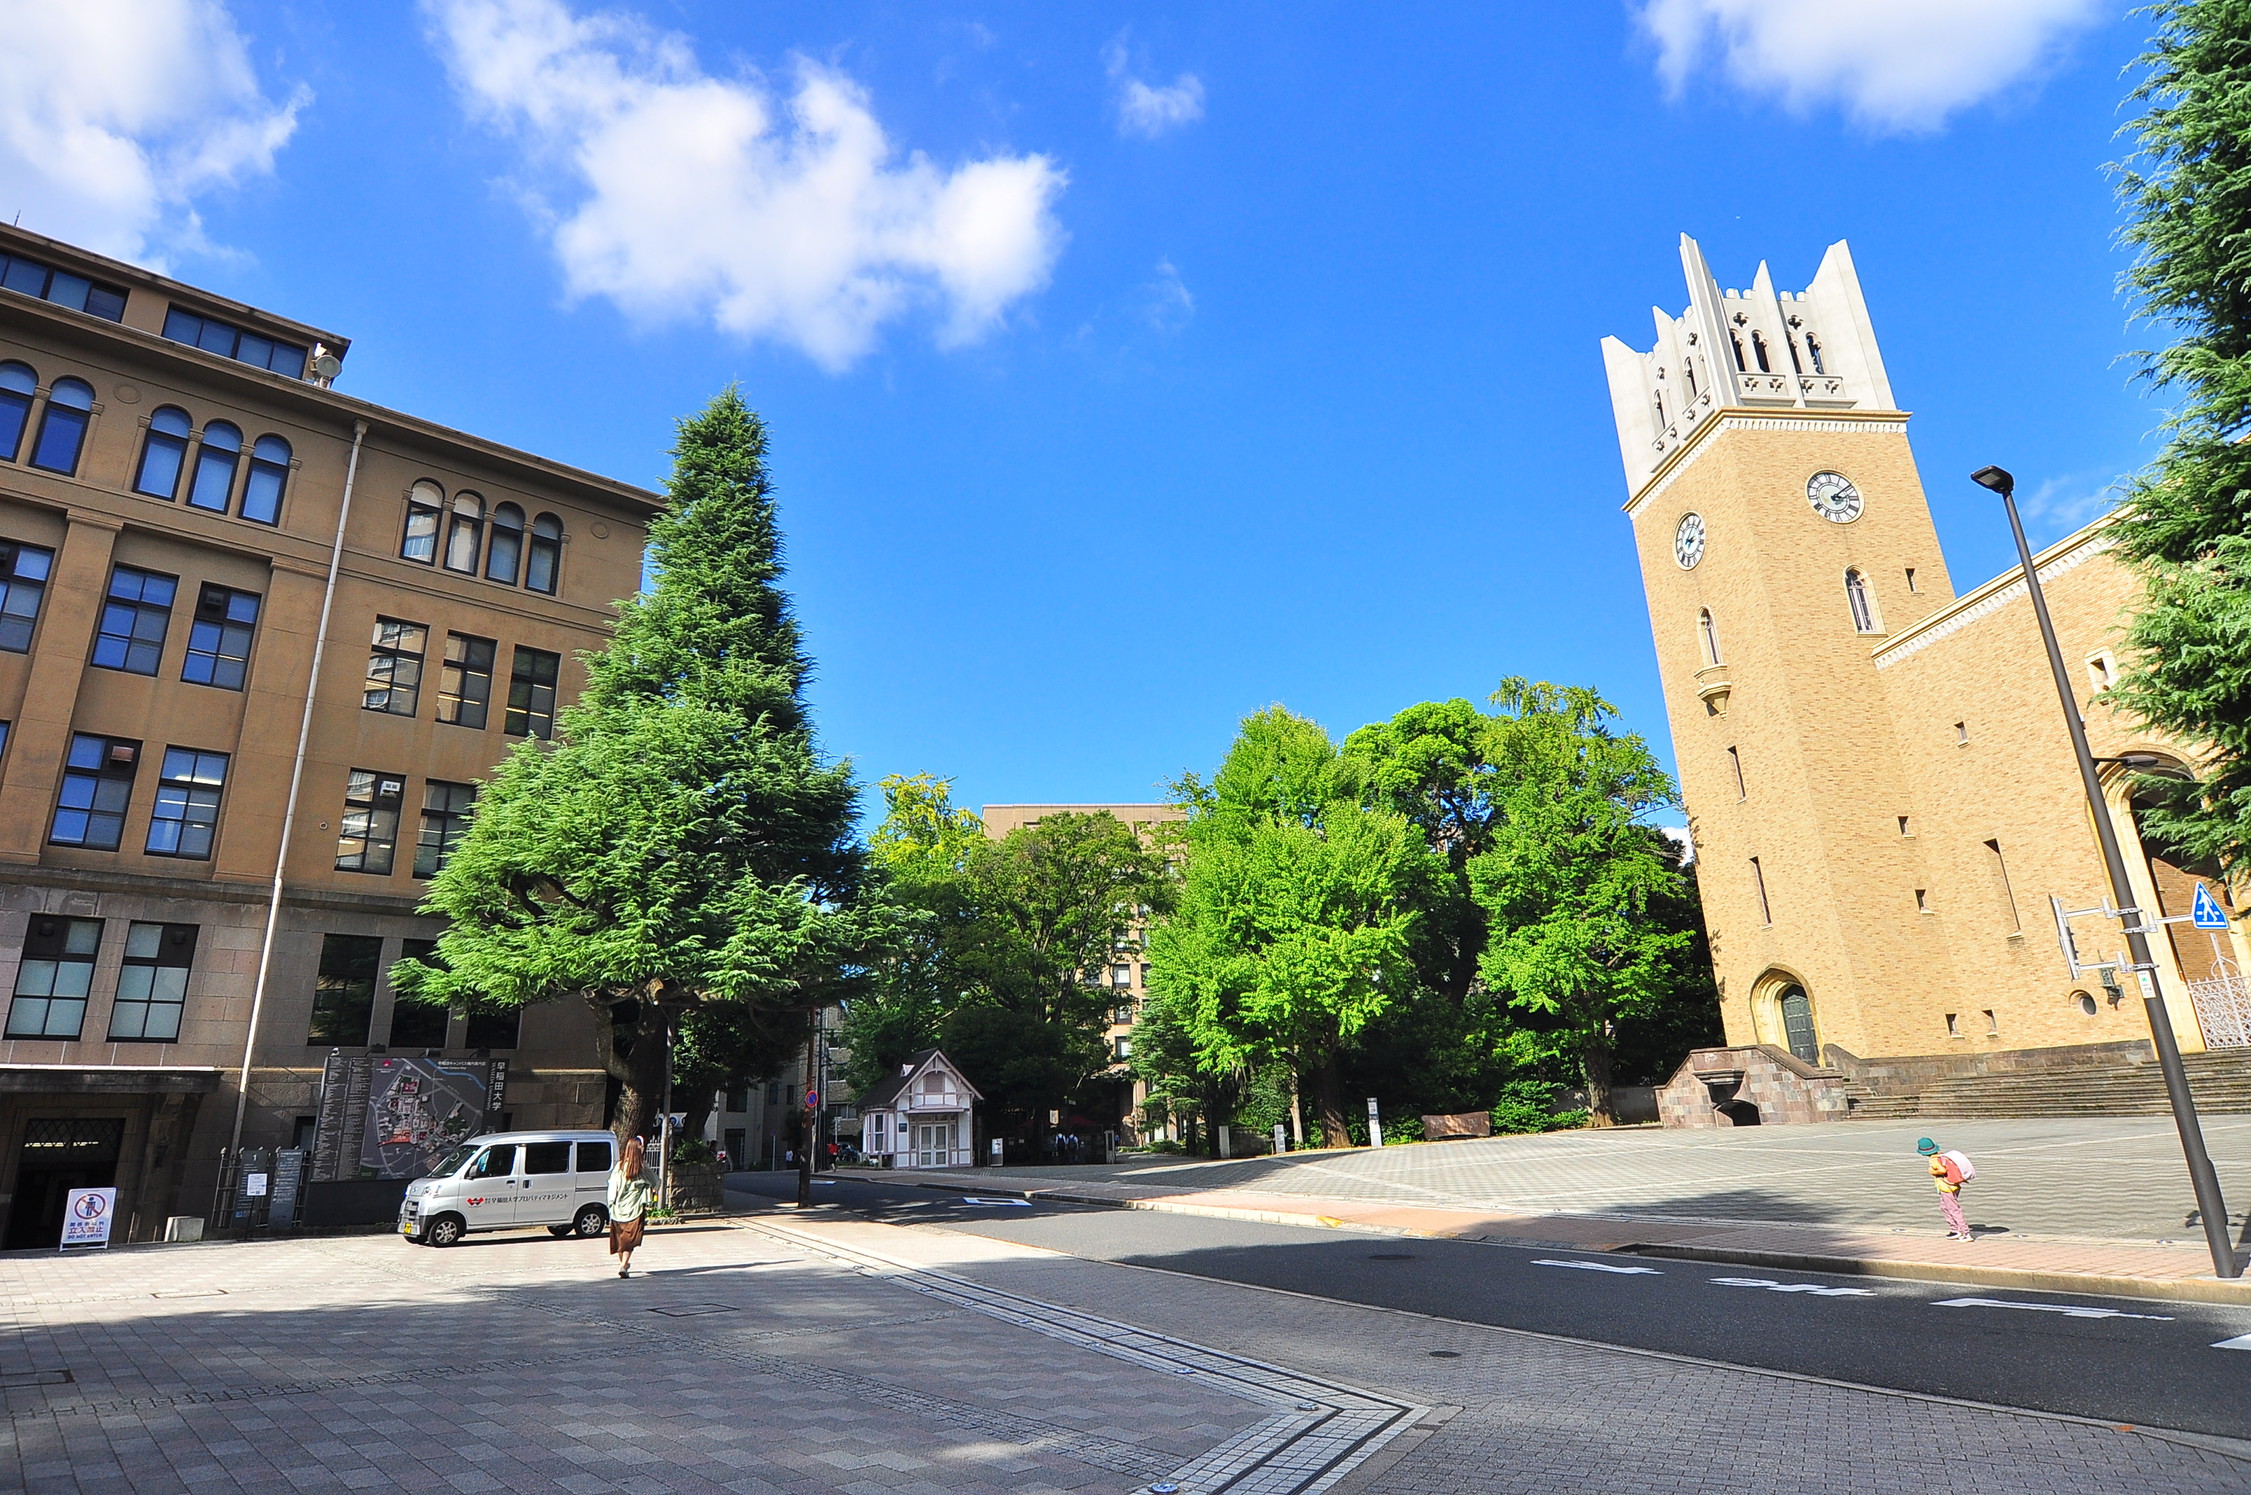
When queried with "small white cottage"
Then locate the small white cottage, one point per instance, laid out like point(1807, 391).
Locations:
point(920, 1118)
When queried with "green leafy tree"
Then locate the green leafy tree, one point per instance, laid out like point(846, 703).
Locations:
point(681, 854)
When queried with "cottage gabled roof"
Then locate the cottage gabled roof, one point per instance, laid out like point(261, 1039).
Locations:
point(884, 1094)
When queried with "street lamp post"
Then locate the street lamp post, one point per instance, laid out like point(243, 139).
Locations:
point(2209, 1204)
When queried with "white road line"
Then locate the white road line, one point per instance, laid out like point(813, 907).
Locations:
point(2240, 1342)
point(1009, 1203)
point(1599, 1266)
point(2068, 1310)
point(1797, 1287)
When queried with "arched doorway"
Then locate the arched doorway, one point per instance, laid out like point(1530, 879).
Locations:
point(1797, 1023)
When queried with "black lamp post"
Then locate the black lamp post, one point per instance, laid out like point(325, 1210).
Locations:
point(2209, 1204)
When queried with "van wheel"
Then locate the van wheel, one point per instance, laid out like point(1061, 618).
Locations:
point(446, 1230)
point(591, 1222)
point(562, 1232)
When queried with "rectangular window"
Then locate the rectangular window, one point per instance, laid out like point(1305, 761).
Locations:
point(369, 836)
point(1911, 580)
point(344, 991)
point(593, 1157)
point(418, 1025)
point(1953, 1025)
point(1758, 882)
point(97, 786)
point(465, 684)
point(420, 542)
point(1992, 1024)
point(445, 820)
point(1123, 1013)
point(152, 989)
point(1735, 765)
point(23, 583)
point(547, 1157)
point(2001, 888)
point(493, 1028)
point(186, 816)
point(531, 693)
point(1961, 734)
point(56, 974)
point(62, 288)
point(214, 336)
point(135, 618)
point(394, 667)
point(219, 640)
point(1121, 1048)
point(1121, 975)
point(1922, 900)
point(1906, 826)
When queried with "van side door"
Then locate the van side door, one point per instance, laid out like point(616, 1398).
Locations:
point(546, 1197)
point(592, 1177)
point(489, 1186)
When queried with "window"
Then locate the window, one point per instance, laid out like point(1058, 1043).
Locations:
point(63, 288)
point(215, 336)
point(2099, 671)
point(464, 533)
point(369, 836)
point(1911, 580)
point(593, 1157)
point(1709, 634)
point(506, 552)
point(1121, 1049)
point(2000, 868)
point(1121, 975)
point(418, 1025)
point(219, 639)
point(17, 385)
point(1122, 1013)
point(394, 667)
point(1922, 900)
point(344, 990)
point(445, 820)
point(1735, 763)
point(465, 684)
point(1688, 372)
point(1856, 594)
point(23, 582)
point(547, 1157)
point(1992, 1023)
point(186, 816)
point(494, 1027)
point(3, 738)
point(2086, 1003)
point(1758, 351)
point(531, 693)
point(152, 989)
point(1906, 826)
point(97, 785)
point(1961, 734)
point(1144, 976)
point(1953, 1025)
point(420, 542)
point(62, 430)
point(269, 475)
point(1758, 884)
point(546, 554)
point(215, 461)
point(135, 618)
point(53, 981)
point(164, 454)
point(1813, 351)
point(494, 1162)
point(1738, 342)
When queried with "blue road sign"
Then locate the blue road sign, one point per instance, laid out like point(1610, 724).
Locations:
point(2207, 914)
point(812, 1100)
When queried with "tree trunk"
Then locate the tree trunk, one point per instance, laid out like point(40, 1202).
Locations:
point(1594, 1067)
point(698, 1109)
point(639, 1070)
point(1328, 1098)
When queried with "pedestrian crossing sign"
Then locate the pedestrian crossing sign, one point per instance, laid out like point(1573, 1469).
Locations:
point(2207, 914)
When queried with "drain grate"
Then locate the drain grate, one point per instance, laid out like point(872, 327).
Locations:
point(1445, 1354)
point(13, 1378)
point(693, 1310)
point(1391, 1256)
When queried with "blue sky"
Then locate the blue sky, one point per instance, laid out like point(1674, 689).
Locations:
point(1130, 368)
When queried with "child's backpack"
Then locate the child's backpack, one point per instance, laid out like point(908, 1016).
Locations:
point(1959, 1165)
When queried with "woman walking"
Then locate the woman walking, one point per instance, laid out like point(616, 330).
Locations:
point(629, 1203)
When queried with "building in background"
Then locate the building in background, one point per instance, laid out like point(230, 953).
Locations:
point(172, 470)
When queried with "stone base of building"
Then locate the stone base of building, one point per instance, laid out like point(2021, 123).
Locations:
point(1752, 1085)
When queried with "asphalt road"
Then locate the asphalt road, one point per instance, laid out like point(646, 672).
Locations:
point(2119, 1360)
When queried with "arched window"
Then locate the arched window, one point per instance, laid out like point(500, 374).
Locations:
point(424, 502)
point(1709, 634)
point(215, 462)
point(269, 475)
point(546, 554)
point(1758, 351)
point(164, 455)
point(465, 533)
point(1863, 610)
point(1738, 342)
point(506, 551)
point(1658, 400)
point(17, 385)
point(1688, 371)
point(1813, 351)
point(62, 430)
point(1795, 366)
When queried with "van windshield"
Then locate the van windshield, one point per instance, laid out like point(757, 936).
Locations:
point(450, 1164)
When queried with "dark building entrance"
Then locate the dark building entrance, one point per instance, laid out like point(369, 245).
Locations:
point(1797, 1024)
point(59, 1153)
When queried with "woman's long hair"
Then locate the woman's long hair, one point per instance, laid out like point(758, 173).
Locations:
point(633, 1151)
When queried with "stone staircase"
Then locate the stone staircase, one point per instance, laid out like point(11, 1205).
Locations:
point(2220, 1081)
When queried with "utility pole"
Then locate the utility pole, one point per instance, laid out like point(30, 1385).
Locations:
point(664, 1126)
point(811, 1101)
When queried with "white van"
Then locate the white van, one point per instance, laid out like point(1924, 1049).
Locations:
point(510, 1180)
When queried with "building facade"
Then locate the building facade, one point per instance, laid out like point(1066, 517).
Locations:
point(1880, 788)
point(184, 494)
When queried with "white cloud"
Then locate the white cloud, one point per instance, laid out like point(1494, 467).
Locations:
point(2063, 504)
point(791, 219)
point(1148, 111)
point(115, 114)
point(1901, 65)
point(1167, 303)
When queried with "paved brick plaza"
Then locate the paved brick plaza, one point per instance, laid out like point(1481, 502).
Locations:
point(779, 1355)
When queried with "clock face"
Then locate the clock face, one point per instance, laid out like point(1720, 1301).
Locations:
point(1833, 497)
point(1688, 541)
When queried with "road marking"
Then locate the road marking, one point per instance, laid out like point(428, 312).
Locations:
point(2068, 1310)
point(1009, 1203)
point(2240, 1342)
point(1599, 1266)
point(1797, 1287)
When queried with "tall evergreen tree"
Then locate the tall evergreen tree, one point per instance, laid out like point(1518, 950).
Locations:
point(681, 856)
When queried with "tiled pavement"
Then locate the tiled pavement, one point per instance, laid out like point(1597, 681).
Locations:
point(763, 1356)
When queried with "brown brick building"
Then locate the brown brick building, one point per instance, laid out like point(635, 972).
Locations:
point(175, 471)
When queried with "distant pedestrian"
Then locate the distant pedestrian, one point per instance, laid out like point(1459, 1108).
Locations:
point(629, 1205)
point(1949, 1171)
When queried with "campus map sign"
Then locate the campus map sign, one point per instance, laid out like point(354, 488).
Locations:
point(391, 1116)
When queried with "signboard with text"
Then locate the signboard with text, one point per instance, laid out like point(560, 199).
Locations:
point(86, 1217)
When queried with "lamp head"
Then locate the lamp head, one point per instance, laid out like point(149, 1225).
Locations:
point(1995, 478)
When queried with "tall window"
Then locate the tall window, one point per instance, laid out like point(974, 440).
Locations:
point(1735, 765)
point(418, 1025)
point(1758, 351)
point(1856, 594)
point(445, 820)
point(394, 667)
point(546, 554)
point(55, 977)
point(269, 476)
point(97, 786)
point(531, 693)
point(344, 990)
point(215, 462)
point(1738, 343)
point(1999, 867)
point(506, 552)
point(164, 453)
point(186, 816)
point(464, 533)
point(62, 430)
point(424, 502)
point(135, 618)
point(23, 583)
point(17, 385)
point(219, 640)
point(465, 684)
point(1709, 633)
point(152, 989)
point(1813, 351)
point(1758, 884)
point(369, 838)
